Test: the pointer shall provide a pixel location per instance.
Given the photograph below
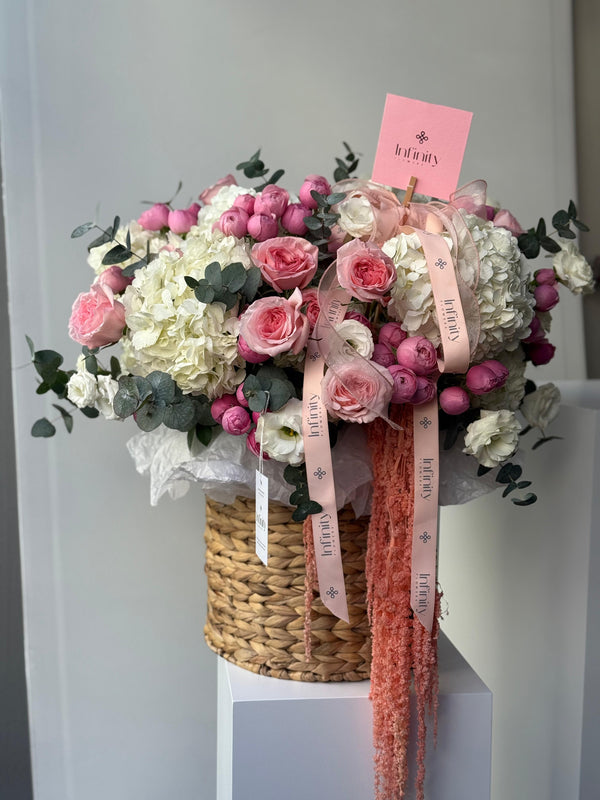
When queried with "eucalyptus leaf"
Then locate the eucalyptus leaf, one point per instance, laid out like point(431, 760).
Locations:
point(204, 434)
point(163, 387)
point(102, 239)
point(580, 225)
point(528, 500)
point(295, 474)
point(30, 345)
point(234, 276)
point(149, 416)
point(541, 228)
point(130, 270)
point(46, 363)
point(117, 255)
point(43, 428)
point(481, 470)
point(80, 230)
point(191, 282)
point(550, 245)
point(202, 411)
point(204, 293)
point(91, 364)
point(257, 401)
point(304, 510)
point(212, 274)
point(566, 233)
point(67, 417)
point(253, 281)
point(560, 219)
point(572, 211)
point(279, 393)
point(510, 488)
point(115, 227)
point(181, 414)
point(90, 412)
point(313, 223)
point(115, 368)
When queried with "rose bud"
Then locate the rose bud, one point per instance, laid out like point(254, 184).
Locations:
point(114, 278)
point(426, 391)
point(392, 334)
point(316, 183)
point(537, 332)
point(207, 195)
point(220, 406)
point(248, 354)
point(384, 356)
point(240, 397)
point(155, 218)
point(236, 421)
point(498, 368)
point(234, 222)
point(540, 353)
point(262, 227)
point(272, 200)
point(482, 378)
point(293, 218)
point(405, 383)
point(194, 209)
point(504, 219)
point(454, 400)
point(181, 220)
point(545, 277)
point(254, 446)
point(417, 353)
point(256, 415)
point(245, 202)
point(546, 297)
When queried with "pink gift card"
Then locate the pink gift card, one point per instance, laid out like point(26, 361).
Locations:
point(423, 140)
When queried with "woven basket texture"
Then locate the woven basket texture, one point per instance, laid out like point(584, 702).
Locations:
point(256, 613)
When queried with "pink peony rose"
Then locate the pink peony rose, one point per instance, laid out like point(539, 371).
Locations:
point(383, 356)
point(236, 421)
point(356, 393)
point(245, 202)
point(262, 227)
point(181, 220)
point(286, 262)
point(113, 278)
point(454, 400)
point(392, 334)
point(193, 209)
point(240, 397)
point(364, 270)
point(504, 219)
point(220, 406)
point(546, 297)
point(234, 222)
point(310, 299)
point(545, 277)
point(97, 319)
point(485, 377)
point(272, 200)
point(537, 333)
point(417, 353)
point(155, 218)
point(275, 325)
point(207, 195)
point(254, 446)
point(405, 383)
point(248, 354)
point(293, 219)
point(311, 183)
point(256, 415)
point(540, 353)
point(426, 391)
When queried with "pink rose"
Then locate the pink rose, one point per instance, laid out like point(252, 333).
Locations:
point(207, 195)
point(240, 397)
point(155, 218)
point(262, 227)
point(286, 262)
point(546, 297)
point(545, 277)
point(316, 183)
point(113, 278)
point(537, 332)
point(392, 334)
point(383, 356)
point(485, 377)
point(540, 353)
point(274, 325)
point(254, 446)
point(272, 200)
point(236, 421)
point(454, 400)
point(504, 219)
point(220, 406)
point(248, 354)
point(181, 220)
point(426, 391)
point(234, 222)
point(364, 270)
point(417, 353)
point(245, 202)
point(356, 393)
point(405, 383)
point(310, 299)
point(97, 319)
point(293, 219)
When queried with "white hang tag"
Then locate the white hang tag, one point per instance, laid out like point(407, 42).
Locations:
point(262, 516)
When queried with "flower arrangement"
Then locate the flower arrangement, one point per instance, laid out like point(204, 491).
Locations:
point(214, 308)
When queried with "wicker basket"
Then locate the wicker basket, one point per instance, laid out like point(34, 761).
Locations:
point(256, 612)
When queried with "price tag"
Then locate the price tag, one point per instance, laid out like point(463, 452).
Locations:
point(262, 516)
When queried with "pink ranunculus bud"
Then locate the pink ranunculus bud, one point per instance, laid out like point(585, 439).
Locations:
point(392, 334)
point(310, 299)
point(181, 220)
point(262, 227)
point(540, 353)
point(311, 183)
point(356, 315)
point(272, 200)
point(194, 208)
point(537, 332)
point(207, 195)
point(248, 354)
point(454, 400)
point(256, 415)
point(490, 212)
point(426, 391)
point(97, 319)
point(236, 421)
point(155, 218)
point(234, 222)
point(220, 406)
point(293, 218)
point(240, 397)
point(254, 446)
point(545, 277)
point(405, 383)
point(384, 356)
point(546, 297)
point(485, 377)
point(114, 278)
point(336, 240)
point(245, 202)
point(417, 353)
point(504, 219)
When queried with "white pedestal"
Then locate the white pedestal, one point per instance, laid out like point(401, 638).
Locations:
point(286, 740)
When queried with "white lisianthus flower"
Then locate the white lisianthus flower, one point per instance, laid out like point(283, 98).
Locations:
point(573, 270)
point(82, 389)
point(492, 438)
point(356, 216)
point(281, 433)
point(540, 407)
point(357, 335)
point(107, 389)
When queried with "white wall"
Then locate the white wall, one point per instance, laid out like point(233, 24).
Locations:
point(112, 103)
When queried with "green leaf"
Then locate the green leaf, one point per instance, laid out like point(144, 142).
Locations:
point(525, 430)
point(191, 282)
point(46, 363)
point(130, 270)
point(320, 199)
point(234, 276)
point(523, 484)
point(115, 227)
point(481, 470)
point(212, 274)
point(295, 475)
point(115, 368)
point(67, 417)
point(90, 412)
point(43, 428)
point(336, 198)
point(543, 440)
point(128, 239)
point(203, 415)
point(541, 229)
point(510, 488)
point(91, 364)
point(257, 401)
point(529, 244)
point(313, 223)
point(132, 391)
point(204, 434)
point(566, 233)
point(550, 245)
point(30, 345)
point(80, 230)
point(572, 211)
point(43, 387)
point(163, 387)
point(253, 281)
point(526, 501)
point(280, 392)
point(509, 473)
point(116, 255)
point(204, 293)
point(299, 496)
point(277, 175)
point(560, 219)
point(181, 415)
point(149, 416)
point(306, 509)
point(102, 239)
point(580, 225)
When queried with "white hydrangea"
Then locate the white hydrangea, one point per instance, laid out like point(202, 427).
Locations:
point(140, 238)
point(573, 270)
point(281, 433)
point(171, 331)
point(203, 247)
point(510, 395)
point(221, 202)
point(107, 389)
point(492, 438)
